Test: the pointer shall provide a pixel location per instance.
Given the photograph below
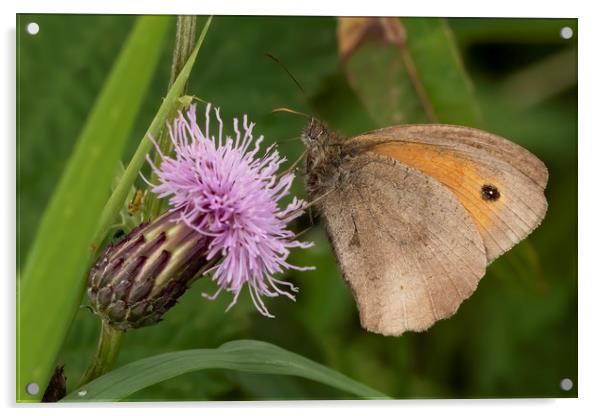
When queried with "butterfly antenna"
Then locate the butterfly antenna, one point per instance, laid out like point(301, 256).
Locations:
point(288, 110)
point(297, 83)
point(290, 139)
point(273, 58)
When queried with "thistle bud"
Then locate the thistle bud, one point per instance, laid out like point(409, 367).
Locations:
point(135, 281)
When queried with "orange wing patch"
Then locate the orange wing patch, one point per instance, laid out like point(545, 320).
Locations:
point(462, 176)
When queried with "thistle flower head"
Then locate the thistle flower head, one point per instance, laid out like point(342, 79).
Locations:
point(228, 191)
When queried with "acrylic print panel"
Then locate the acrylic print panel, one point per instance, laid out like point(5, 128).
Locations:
point(90, 88)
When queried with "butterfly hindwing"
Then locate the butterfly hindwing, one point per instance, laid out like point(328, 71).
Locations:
point(405, 244)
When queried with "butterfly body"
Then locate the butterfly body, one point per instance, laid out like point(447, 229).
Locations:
point(326, 155)
point(415, 214)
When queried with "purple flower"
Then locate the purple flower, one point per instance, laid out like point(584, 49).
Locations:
point(225, 190)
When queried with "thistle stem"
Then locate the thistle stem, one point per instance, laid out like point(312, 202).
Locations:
point(185, 39)
point(107, 351)
point(183, 47)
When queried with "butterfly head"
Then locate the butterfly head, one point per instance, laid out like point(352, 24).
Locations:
point(324, 154)
point(315, 133)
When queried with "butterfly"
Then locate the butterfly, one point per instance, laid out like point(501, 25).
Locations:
point(415, 214)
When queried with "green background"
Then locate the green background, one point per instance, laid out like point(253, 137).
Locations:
point(515, 337)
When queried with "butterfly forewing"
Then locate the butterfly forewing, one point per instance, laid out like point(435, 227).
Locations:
point(466, 140)
point(499, 183)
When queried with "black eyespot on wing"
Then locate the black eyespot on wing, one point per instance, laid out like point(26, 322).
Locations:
point(490, 193)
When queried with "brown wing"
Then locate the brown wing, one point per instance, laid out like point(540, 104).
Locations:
point(466, 160)
point(405, 245)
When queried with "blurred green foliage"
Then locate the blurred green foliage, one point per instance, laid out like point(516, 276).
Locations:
point(515, 337)
point(63, 229)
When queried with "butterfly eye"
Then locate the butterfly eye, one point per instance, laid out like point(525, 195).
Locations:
point(490, 193)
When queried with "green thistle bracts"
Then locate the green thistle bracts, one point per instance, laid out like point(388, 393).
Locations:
point(135, 281)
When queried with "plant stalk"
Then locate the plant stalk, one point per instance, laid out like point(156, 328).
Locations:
point(183, 48)
point(109, 341)
point(107, 351)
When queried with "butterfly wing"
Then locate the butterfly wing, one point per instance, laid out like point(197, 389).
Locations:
point(469, 162)
point(405, 244)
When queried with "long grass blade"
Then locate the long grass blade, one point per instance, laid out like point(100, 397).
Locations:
point(244, 355)
point(50, 290)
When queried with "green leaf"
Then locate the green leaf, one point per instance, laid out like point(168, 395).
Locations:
point(412, 78)
point(58, 81)
point(245, 355)
point(385, 88)
point(52, 283)
point(170, 102)
point(378, 70)
point(433, 50)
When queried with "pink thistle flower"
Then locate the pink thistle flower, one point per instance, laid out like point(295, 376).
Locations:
point(225, 190)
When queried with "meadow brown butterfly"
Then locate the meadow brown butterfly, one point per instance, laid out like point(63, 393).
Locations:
point(415, 213)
